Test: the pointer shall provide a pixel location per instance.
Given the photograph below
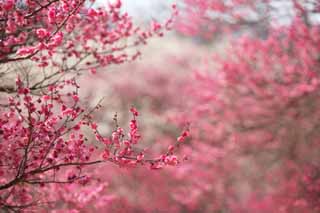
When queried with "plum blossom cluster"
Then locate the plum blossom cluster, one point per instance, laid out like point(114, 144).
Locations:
point(120, 149)
point(70, 29)
point(42, 136)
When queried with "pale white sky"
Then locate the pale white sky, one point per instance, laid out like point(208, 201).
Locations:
point(145, 9)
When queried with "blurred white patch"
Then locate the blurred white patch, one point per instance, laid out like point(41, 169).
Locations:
point(144, 10)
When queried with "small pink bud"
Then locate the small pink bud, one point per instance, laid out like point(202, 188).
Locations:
point(106, 154)
point(94, 126)
point(140, 157)
point(134, 111)
point(75, 98)
point(171, 148)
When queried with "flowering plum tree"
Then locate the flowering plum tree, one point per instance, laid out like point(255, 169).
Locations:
point(47, 132)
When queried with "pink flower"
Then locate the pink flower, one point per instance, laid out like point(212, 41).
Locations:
point(42, 33)
point(140, 157)
point(52, 15)
point(94, 126)
point(8, 5)
point(184, 135)
point(26, 51)
point(106, 154)
point(171, 160)
point(134, 111)
point(75, 98)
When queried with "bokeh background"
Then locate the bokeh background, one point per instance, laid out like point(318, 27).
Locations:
point(243, 85)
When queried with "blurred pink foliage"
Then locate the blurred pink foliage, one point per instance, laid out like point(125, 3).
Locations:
point(254, 123)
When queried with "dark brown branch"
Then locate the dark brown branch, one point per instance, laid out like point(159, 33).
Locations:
point(42, 170)
point(39, 9)
point(7, 89)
